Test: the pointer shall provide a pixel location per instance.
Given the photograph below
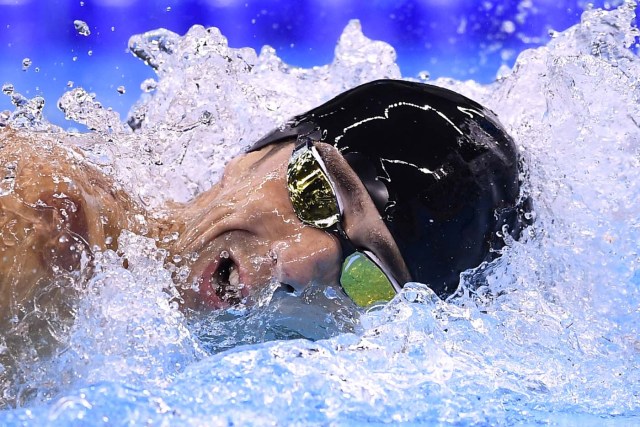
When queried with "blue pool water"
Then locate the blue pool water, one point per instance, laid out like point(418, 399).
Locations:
point(552, 337)
point(452, 38)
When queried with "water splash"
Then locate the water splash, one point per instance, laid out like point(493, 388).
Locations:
point(80, 106)
point(551, 336)
point(27, 113)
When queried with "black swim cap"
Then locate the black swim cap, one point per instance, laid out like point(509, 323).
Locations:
point(441, 170)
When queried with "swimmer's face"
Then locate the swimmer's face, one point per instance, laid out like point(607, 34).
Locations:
point(247, 235)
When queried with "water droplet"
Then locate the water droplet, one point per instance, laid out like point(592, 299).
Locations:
point(18, 100)
point(81, 27)
point(121, 90)
point(330, 292)
point(70, 83)
point(38, 102)
point(224, 254)
point(183, 273)
point(508, 27)
point(170, 237)
point(7, 88)
point(177, 258)
point(148, 85)
point(424, 75)
point(26, 63)
point(108, 240)
point(205, 118)
point(8, 182)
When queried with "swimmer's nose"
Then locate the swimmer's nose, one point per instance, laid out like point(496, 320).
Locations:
point(305, 261)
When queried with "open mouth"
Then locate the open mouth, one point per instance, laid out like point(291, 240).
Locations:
point(221, 285)
point(226, 282)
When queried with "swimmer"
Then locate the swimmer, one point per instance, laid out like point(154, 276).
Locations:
point(387, 183)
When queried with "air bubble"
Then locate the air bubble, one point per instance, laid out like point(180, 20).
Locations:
point(224, 254)
point(121, 90)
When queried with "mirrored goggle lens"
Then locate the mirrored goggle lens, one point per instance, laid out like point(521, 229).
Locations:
point(364, 281)
point(311, 193)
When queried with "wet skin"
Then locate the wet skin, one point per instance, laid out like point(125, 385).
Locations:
point(54, 208)
point(243, 231)
point(246, 223)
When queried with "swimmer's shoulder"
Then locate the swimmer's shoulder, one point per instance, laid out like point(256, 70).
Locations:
point(37, 148)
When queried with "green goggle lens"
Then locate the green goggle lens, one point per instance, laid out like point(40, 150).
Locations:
point(311, 193)
point(364, 282)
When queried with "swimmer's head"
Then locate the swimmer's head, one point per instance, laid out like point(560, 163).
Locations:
point(439, 168)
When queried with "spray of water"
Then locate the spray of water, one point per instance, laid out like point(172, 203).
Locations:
point(550, 336)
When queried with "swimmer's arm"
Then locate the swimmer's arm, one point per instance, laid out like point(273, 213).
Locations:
point(54, 208)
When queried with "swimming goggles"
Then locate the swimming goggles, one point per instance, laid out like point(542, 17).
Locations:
point(317, 203)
